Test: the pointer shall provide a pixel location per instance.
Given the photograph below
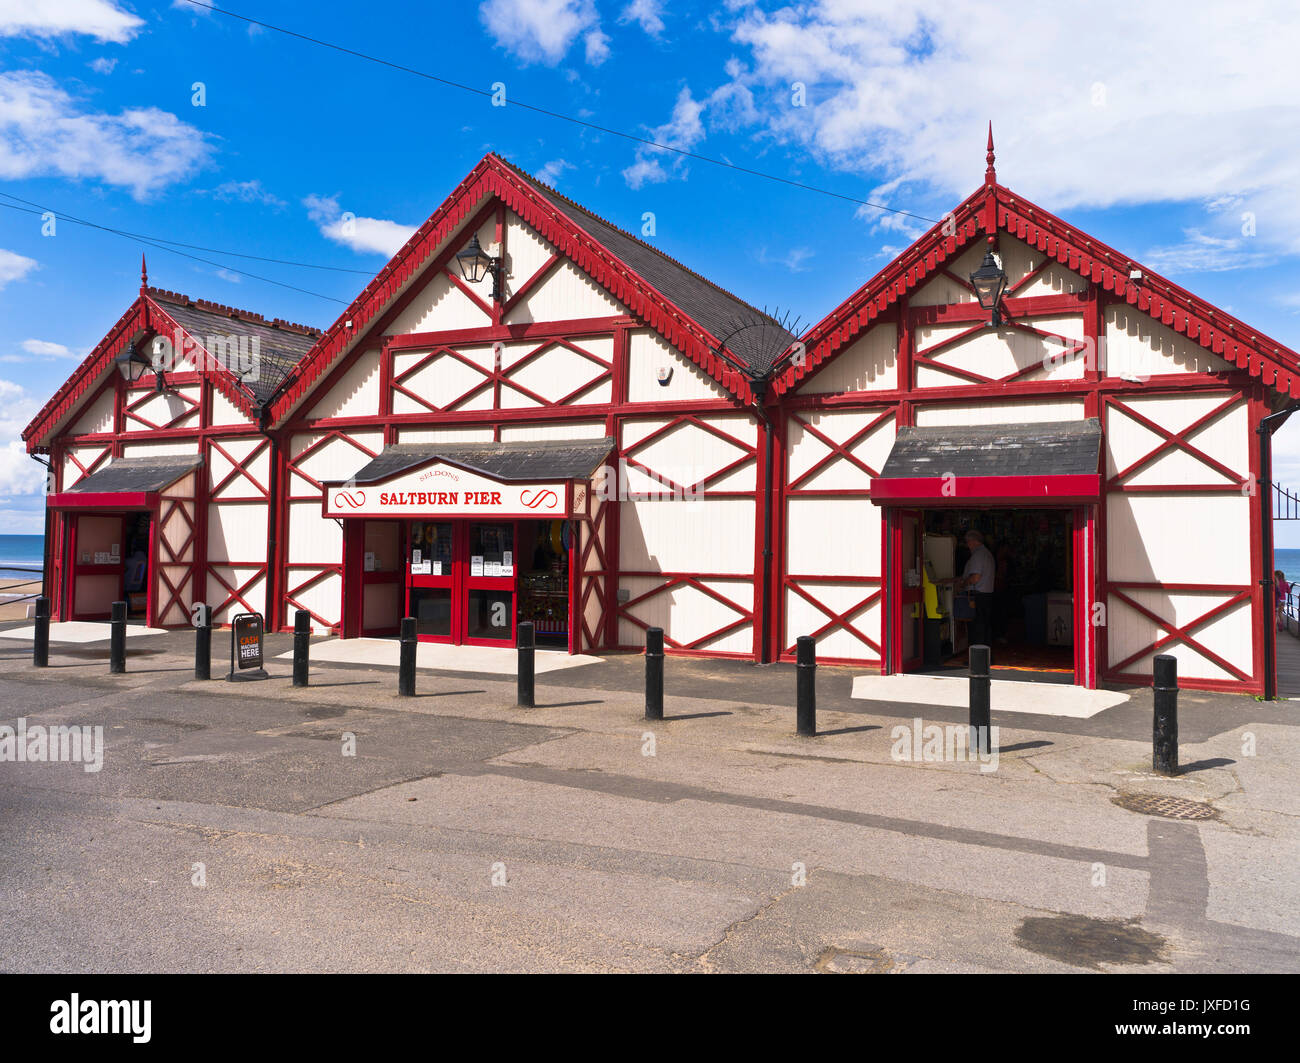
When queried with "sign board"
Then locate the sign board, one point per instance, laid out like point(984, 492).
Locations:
point(440, 490)
point(246, 648)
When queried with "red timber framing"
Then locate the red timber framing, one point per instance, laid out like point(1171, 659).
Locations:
point(1258, 370)
point(190, 425)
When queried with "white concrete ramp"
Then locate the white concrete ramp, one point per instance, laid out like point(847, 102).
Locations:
point(487, 660)
point(80, 631)
point(1006, 695)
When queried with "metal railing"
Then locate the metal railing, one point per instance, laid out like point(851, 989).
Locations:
point(13, 572)
point(1288, 611)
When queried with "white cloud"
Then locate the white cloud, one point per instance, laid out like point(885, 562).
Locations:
point(14, 267)
point(100, 19)
point(102, 65)
point(360, 234)
point(246, 192)
point(47, 349)
point(19, 474)
point(683, 130)
point(544, 30)
point(44, 131)
point(1087, 112)
point(597, 47)
point(646, 12)
point(551, 172)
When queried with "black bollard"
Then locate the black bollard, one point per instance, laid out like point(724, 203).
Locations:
point(41, 636)
point(406, 662)
point(301, 646)
point(979, 698)
point(117, 640)
point(527, 666)
point(806, 686)
point(654, 673)
point(203, 644)
point(1164, 728)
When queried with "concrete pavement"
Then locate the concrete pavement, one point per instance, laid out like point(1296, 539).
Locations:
point(466, 834)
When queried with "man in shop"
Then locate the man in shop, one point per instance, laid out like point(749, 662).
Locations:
point(979, 577)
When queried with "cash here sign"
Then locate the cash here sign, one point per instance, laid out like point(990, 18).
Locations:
point(441, 490)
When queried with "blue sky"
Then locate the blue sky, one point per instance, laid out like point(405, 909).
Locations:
point(1157, 133)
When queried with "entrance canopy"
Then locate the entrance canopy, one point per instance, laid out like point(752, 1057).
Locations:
point(1055, 463)
point(126, 483)
point(544, 480)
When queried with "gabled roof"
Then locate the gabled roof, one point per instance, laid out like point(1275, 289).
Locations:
point(1231, 339)
point(723, 314)
point(694, 315)
point(282, 344)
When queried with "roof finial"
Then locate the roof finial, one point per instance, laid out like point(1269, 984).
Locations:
point(990, 174)
point(144, 273)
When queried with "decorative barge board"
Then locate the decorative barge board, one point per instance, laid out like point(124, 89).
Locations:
point(1164, 550)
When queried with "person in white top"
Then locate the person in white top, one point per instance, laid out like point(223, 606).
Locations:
point(978, 576)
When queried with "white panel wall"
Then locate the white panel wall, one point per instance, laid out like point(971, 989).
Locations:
point(97, 418)
point(564, 295)
point(1137, 347)
point(995, 412)
point(356, 394)
point(1000, 353)
point(870, 363)
point(562, 430)
point(174, 448)
point(647, 354)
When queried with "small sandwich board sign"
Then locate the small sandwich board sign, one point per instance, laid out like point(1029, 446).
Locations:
point(246, 649)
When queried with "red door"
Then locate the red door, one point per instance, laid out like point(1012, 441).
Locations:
point(490, 565)
point(431, 581)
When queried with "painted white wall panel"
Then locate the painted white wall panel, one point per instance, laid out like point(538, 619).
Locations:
point(566, 294)
point(356, 394)
point(713, 536)
point(1138, 346)
point(833, 537)
point(1178, 538)
point(870, 363)
point(994, 412)
point(237, 532)
point(647, 354)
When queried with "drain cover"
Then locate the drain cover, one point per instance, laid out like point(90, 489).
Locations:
point(1169, 807)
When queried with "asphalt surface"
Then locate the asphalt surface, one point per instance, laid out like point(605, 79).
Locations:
point(229, 829)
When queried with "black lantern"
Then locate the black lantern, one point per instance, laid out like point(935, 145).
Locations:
point(133, 365)
point(474, 264)
point(990, 284)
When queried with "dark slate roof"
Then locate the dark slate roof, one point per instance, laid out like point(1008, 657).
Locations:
point(1057, 448)
point(761, 339)
point(554, 459)
point(281, 344)
point(136, 475)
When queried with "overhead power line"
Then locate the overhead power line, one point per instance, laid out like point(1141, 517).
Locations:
point(560, 115)
point(28, 207)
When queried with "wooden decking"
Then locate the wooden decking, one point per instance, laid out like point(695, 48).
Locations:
point(1288, 664)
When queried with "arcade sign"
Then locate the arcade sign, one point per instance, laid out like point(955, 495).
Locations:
point(444, 490)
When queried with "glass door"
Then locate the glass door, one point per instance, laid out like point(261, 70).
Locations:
point(490, 583)
point(430, 557)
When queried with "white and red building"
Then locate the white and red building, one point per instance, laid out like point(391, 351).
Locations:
point(610, 442)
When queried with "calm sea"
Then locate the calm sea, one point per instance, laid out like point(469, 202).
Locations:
point(21, 553)
point(1289, 562)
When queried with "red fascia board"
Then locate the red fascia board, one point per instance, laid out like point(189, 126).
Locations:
point(963, 491)
point(103, 500)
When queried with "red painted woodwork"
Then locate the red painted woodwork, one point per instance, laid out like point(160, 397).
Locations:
point(968, 491)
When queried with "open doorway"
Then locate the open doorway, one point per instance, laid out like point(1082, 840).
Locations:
point(1031, 614)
